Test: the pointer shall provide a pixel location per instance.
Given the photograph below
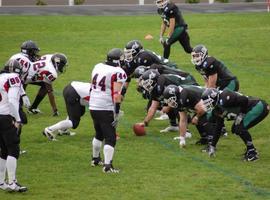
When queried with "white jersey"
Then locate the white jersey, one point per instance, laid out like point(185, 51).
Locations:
point(10, 91)
point(42, 70)
point(24, 61)
point(101, 93)
point(83, 90)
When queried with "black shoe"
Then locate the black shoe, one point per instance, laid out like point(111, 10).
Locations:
point(96, 162)
point(202, 141)
point(251, 155)
point(110, 169)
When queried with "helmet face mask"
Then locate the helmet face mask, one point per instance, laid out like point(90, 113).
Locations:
point(170, 95)
point(132, 49)
point(148, 84)
point(210, 98)
point(149, 80)
point(171, 102)
point(59, 61)
point(199, 54)
point(115, 57)
point(162, 3)
point(31, 49)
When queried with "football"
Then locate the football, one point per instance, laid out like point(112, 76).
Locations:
point(139, 129)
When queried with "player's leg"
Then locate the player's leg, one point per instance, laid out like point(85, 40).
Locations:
point(39, 97)
point(185, 42)
point(98, 139)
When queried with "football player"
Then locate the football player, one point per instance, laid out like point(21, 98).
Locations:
point(172, 20)
point(155, 83)
point(214, 72)
point(10, 122)
point(42, 73)
point(105, 97)
point(187, 100)
point(246, 112)
point(29, 53)
point(76, 95)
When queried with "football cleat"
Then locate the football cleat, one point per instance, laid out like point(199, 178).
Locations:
point(170, 129)
point(163, 116)
point(49, 134)
point(3, 186)
point(251, 155)
point(188, 135)
point(224, 132)
point(211, 150)
point(108, 168)
point(22, 152)
point(16, 187)
point(34, 111)
point(96, 162)
point(66, 132)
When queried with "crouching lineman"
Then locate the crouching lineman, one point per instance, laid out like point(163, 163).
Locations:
point(105, 97)
point(43, 73)
point(76, 95)
point(244, 110)
point(10, 121)
point(187, 99)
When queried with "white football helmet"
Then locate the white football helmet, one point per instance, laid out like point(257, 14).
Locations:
point(162, 3)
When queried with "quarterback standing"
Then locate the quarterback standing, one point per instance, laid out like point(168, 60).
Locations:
point(172, 20)
point(105, 97)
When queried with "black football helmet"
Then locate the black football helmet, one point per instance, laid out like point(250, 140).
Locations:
point(13, 65)
point(210, 98)
point(199, 54)
point(132, 49)
point(59, 61)
point(31, 49)
point(170, 95)
point(148, 80)
point(115, 57)
point(139, 71)
point(162, 3)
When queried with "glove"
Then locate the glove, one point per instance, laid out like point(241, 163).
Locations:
point(115, 121)
point(55, 113)
point(239, 119)
point(26, 101)
point(161, 40)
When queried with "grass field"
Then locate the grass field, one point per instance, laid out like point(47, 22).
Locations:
point(152, 167)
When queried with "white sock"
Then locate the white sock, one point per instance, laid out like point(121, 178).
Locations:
point(96, 146)
point(62, 125)
point(108, 151)
point(11, 168)
point(2, 170)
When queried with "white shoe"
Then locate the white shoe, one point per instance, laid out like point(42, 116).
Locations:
point(16, 187)
point(49, 134)
point(34, 111)
point(188, 135)
point(170, 129)
point(3, 186)
point(164, 116)
point(66, 132)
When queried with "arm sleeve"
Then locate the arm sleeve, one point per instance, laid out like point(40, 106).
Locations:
point(13, 98)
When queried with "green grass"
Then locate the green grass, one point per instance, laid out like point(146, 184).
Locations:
point(152, 167)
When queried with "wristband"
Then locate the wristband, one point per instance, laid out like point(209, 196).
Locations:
point(145, 123)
